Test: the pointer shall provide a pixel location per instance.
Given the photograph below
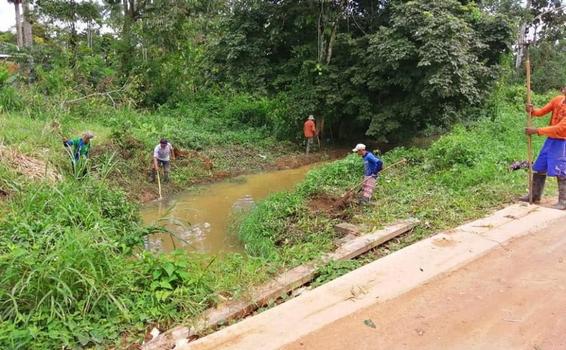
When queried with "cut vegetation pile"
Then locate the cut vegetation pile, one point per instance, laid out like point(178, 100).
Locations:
point(28, 166)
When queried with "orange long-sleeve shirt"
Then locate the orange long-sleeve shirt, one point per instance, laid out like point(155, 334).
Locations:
point(309, 128)
point(557, 125)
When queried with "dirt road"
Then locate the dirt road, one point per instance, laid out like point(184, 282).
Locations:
point(511, 298)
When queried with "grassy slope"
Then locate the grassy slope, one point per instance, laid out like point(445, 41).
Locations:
point(215, 146)
point(73, 271)
point(462, 176)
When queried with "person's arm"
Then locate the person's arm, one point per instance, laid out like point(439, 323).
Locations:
point(555, 131)
point(67, 143)
point(372, 163)
point(539, 112)
point(155, 155)
point(172, 153)
point(378, 166)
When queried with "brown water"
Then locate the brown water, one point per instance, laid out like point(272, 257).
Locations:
point(199, 220)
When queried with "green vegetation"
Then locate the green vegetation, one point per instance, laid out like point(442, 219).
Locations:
point(330, 58)
point(74, 272)
point(462, 176)
point(229, 83)
point(216, 137)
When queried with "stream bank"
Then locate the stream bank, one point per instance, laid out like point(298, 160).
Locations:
point(199, 219)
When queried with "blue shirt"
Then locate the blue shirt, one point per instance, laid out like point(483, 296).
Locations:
point(80, 148)
point(372, 164)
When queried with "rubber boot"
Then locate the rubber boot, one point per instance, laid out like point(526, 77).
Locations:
point(561, 205)
point(538, 188)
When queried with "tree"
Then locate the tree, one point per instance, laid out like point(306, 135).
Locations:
point(27, 34)
point(19, 30)
point(369, 67)
point(71, 13)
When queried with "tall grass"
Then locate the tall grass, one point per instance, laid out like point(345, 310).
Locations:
point(74, 272)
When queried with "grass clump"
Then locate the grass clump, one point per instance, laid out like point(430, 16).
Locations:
point(74, 272)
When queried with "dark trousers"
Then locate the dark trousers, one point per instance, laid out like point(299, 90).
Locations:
point(166, 165)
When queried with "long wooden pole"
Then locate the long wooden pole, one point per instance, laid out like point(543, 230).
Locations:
point(159, 183)
point(529, 123)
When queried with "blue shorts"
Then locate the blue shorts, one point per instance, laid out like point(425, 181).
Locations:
point(552, 158)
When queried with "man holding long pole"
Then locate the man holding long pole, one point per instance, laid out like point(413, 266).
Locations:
point(551, 160)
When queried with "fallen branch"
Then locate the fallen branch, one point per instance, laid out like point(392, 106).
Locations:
point(106, 93)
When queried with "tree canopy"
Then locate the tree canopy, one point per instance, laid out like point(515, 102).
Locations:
point(380, 68)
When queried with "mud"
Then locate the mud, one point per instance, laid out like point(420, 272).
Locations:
point(331, 206)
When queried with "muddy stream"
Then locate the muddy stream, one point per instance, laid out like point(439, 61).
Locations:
point(200, 219)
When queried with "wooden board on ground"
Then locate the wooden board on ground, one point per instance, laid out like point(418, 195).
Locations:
point(279, 287)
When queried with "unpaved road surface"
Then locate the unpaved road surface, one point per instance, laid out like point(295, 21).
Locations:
point(512, 298)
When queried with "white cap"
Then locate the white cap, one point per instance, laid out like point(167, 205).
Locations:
point(359, 147)
point(88, 134)
point(311, 117)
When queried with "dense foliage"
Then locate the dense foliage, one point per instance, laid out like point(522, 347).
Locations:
point(378, 69)
point(74, 273)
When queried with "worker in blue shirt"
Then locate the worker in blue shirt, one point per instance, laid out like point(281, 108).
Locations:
point(372, 167)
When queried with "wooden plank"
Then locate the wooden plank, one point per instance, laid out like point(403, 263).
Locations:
point(279, 287)
point(365, 243)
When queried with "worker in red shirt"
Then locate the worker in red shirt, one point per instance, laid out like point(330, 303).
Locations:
point(551, 160)
point(310, 132)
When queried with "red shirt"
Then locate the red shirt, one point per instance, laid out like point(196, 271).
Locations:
point(557, 128)
point(309, 129)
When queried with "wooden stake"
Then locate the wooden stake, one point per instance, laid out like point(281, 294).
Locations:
point(529, 123)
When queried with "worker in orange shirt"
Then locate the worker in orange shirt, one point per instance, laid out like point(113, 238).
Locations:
point(310, 132)
point(551, 160)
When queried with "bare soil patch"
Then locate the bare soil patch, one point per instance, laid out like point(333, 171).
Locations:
point(331, 206)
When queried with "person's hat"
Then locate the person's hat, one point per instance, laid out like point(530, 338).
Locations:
point(163, 141)
point(359, 147)
point(88, 135)
point(311, 117)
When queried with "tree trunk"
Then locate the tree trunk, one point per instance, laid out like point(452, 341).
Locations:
point(19, 31)
point(320, 32)
point(331, 42)
point(27, 27)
